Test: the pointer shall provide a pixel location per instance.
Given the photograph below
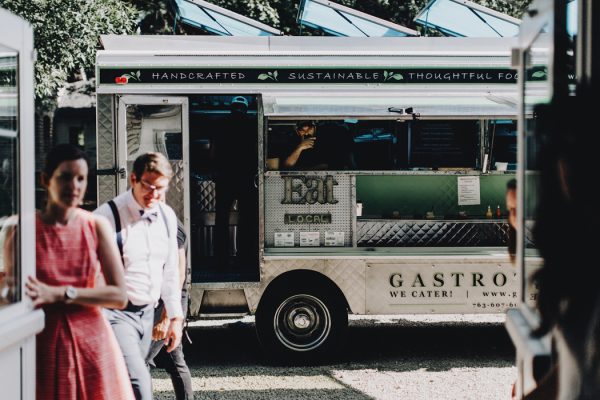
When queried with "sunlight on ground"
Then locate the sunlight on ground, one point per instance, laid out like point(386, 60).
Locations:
point(257, 382)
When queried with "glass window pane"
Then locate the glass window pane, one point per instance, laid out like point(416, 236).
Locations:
point(319, 16)
point(536, 93)
point(339, 23)
point(9, 265)
point(195, 16)
point(457, 19)
point(235, 27)
point(215, 22)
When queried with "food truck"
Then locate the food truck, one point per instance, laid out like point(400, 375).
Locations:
point(398, 209)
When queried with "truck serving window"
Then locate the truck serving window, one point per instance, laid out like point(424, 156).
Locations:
point(379, 145)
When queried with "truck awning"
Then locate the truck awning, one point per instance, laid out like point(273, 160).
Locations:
point(338, 20)
point(464, 18)
point(402, 107)
point(218, 21)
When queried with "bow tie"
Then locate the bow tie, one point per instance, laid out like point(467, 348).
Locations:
point(150, 216)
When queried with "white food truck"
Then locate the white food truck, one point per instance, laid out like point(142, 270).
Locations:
point(398, 206)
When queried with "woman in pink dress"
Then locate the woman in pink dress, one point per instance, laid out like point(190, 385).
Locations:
point(78, 357)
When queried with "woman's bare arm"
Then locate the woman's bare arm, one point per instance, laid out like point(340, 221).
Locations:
point(112, 295)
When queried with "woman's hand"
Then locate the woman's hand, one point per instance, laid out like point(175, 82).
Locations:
point(40, 293)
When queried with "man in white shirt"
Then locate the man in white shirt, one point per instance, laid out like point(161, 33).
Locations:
point(147, 237)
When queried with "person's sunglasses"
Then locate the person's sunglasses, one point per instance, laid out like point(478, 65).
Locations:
point(147, 188)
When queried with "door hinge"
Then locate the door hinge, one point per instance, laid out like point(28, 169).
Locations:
point(112, 171)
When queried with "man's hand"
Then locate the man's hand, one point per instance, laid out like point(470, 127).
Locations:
point(307, 143)
point(173, 336)
point(160, 330)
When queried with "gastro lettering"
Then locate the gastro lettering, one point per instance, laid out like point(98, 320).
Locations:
point(455, 279)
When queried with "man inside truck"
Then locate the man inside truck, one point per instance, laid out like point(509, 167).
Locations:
point(330, 150)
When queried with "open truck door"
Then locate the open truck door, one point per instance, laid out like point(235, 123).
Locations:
point(214, 191)
point(547, 41)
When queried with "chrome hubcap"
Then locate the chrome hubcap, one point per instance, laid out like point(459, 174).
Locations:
point(302, 322)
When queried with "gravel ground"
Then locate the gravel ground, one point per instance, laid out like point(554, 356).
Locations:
point(412, 357)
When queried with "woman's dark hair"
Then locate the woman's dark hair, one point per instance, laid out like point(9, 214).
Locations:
point(62, 152)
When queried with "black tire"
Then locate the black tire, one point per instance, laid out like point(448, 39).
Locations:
point(301, 324)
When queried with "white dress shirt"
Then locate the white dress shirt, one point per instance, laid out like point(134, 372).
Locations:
point(151, 257)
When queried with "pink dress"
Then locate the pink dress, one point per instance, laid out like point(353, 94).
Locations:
point(78, 357)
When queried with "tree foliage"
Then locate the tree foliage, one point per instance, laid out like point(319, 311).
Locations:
point(66, 35)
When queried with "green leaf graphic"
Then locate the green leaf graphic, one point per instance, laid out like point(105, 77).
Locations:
point(275, 74)
point(398, 77)
point(539, 74)
point(263, 77)
point(385, 75)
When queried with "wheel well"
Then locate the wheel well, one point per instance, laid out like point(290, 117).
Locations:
point(304, 276)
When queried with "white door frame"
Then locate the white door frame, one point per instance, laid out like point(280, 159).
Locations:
point(19, 322)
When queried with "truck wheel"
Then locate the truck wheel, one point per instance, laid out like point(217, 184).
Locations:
point(301, 324)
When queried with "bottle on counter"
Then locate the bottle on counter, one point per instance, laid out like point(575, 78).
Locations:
point(430, 214)
point(498, 212)
point(359, 208)
point(488, 213)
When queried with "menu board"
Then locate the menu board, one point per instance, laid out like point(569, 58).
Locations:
point(444, 144)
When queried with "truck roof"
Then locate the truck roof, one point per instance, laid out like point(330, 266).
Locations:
point(306, 45)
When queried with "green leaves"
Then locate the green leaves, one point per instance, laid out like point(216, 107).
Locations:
point(389, 75)
point(269, 75)
point(133, 76)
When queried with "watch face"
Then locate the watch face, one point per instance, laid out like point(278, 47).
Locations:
point(70, 293)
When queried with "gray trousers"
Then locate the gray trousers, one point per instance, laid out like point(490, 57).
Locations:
point(174, 362)
point(133, 329)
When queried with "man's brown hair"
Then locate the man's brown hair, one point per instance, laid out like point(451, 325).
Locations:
point(152, 162)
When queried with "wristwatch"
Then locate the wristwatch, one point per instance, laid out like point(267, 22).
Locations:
point(70, 294)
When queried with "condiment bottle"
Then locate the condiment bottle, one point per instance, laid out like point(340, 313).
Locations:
point(498, 212)
point(488, 213)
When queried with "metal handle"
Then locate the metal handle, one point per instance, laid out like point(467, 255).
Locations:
point(112, 171)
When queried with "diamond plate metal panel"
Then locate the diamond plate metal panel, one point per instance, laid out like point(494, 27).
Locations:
point(341, 212)
point(105, 132)
point(176, 193)
point(347, 274)
point(418, 233)
point(105, 150)
point(106, 189)
point(196, 294)
point(205, 199)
